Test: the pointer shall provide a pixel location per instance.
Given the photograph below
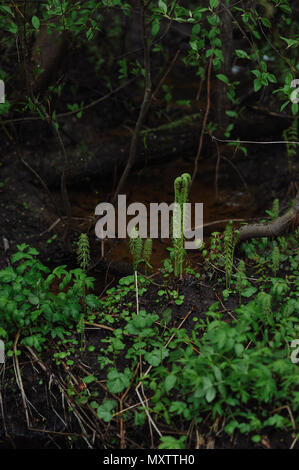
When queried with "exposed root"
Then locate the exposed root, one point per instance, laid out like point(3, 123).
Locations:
point(287, 222)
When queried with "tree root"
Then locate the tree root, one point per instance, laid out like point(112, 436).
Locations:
point(283, 224)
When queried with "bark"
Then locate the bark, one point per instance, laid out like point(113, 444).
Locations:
point(287, 222)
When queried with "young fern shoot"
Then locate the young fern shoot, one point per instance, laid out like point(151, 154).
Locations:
point(275, 260)
point(241, 278)
point(141, 253)
point(230, 240)
point(83, 252)
point(135, 246)
point(181, 185)
point(147, 251)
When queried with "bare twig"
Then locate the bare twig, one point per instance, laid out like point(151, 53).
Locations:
point(203, 124)
point(147, 98)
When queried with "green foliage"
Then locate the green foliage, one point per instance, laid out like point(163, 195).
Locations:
point(147, 250)
point(275, 259)
point(238, 371)
point(181, 185)
point(170, 442)
point(264, 303)
point(83, 251)
point(135, 245)
point(230, 241)
point(241, 279)
point(27, 301)
point(274, 213)
point(290, 135)
point(141, 253)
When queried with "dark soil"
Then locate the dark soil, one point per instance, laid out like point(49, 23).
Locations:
point(56, 417)
point(28, 215)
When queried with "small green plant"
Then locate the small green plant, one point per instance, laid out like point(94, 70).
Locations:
point(241, 278)
point(83, 251)
point(141, 253)
point(291, 134)
point(264, 303)
point(181, 185)
point(230, 240)
point(147, 251)
point(275, 260)
point(274, 212)
point(28, 303)
point(135, 246)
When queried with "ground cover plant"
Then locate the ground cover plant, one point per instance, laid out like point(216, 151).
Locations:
point(194, 360)
point(120, 344)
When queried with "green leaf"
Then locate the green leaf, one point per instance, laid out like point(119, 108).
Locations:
point(231, 113)
point(257, 85)
point(89, 34)
point(249, 291)
point(7, 275)
point(266, 22)
point(285, 8)
point(223, 78)
point(295, 108)
point(239, 348)
point(105, 411)
point(118, 381)
point(241, 54)
point(170, 442)
point(155, 28)
point(214, 3)
point(162, 6)
point(170, 382)
point(290, 42)
point(210, 394)
point(155, 357)
point(33, 299)
point(35, 22)
point(89, 379)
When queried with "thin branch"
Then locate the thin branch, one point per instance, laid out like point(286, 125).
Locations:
point(203, 124)
point(147, 98)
